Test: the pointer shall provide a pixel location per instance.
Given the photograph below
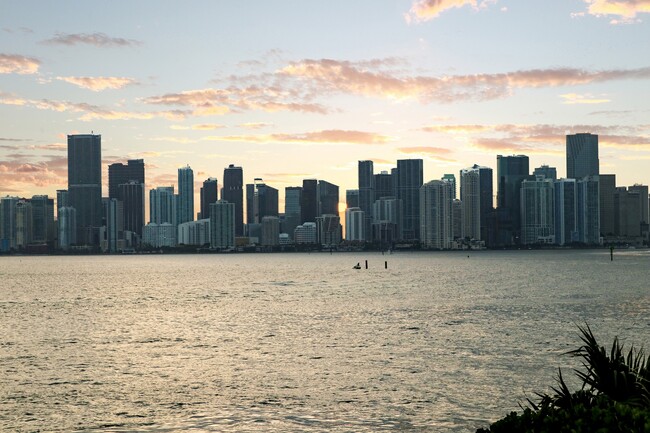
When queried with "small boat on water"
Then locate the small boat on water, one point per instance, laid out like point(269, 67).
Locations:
point(357, 266)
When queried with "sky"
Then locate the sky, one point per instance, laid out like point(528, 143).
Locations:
point(295, 89)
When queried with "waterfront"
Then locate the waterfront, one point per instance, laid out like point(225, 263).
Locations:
point(301, 342)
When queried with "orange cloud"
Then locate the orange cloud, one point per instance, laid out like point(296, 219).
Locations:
point(97, 84)
point(327, 136)
point(15, 64)
point(255, 125)
point(425, 10)
point(207, 126)
point(574, 98)
point(101, 40)
point(626, 9)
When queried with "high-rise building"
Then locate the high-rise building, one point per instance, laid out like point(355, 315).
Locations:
point(582, 155)
point(410, 176)
point(309, 200)
point(383, 185)
point(194, 233)
point(354, 224)
point(292, 217)
point(627, 217)
point(270, 231)
point(113, 227)
point(607, 189)
point(387, 220)
point(209, 195)
point(162, 205)
point(537, 211)
point(85, 185)
point(261, 201)
point(328, 198)
point(511, 172)
point(588, 204)
point(457, 219)
point(546, 172)
point(470, 197)
point(642, 190)
point(566, 211)
point(185, 201)
point(119, 174)
point(449, 177)
point(23, 224)
point(366, 183)
point(132, 197)
point(435, 215)
point(233, 192)
point(67, 227)
point(8, 223)
point(328, 230)
point(351, 198)
point(222, 224)
point(43, 219)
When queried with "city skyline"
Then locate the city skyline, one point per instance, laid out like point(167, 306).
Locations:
point(274, 90)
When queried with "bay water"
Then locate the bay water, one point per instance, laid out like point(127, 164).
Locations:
point(437, 342)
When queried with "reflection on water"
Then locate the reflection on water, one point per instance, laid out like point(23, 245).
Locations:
point(300, 342)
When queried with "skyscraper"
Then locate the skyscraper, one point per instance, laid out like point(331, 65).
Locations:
point(328, 198)
point(476, 198)
point(582, 155)
point(588, 205)
point(85, 185)
point(233, 192)
point(366, 183)
point(383, 185)
point(132, 197)
point(546, 171)
point(435, 214)
point(606, 191)
point(292, 217)
point(43, 219)
point(222, 224)
point(119, 174)
point(185, 195)
point(354, 220)
point(410, 175)
point(309, 200)
point(565, 204)
point(537, 211)
point(351, 198)
point(209, 195)
point(261, 201)
point(511, 172)
point(162, 205)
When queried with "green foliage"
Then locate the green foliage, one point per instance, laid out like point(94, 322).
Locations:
point(615, 395)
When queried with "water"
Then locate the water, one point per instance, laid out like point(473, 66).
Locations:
point(438, 342)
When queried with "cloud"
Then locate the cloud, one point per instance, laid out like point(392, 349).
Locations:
point(19, 175)
point(90, 112)
point(327, 136)
point(574, 98)
point(207, 126)
point(16, 64)
point(255, 125)
point(425, 10)
point(626, 9)
point(101, 40)
point(221, 101)
point(97, 84)
point(332, 76)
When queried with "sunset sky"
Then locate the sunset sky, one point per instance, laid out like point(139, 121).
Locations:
point(304, 89)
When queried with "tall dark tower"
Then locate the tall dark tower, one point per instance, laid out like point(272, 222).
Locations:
point(85, 185)
point(209, 195)
point(119, 173)
point(233, 192)
point(410, 177)
point(582, 156)
point(309, 201)
point(511, 172)
point(366, 182)
point(328, 198)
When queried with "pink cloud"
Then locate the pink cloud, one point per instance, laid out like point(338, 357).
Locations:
point(16, 64)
